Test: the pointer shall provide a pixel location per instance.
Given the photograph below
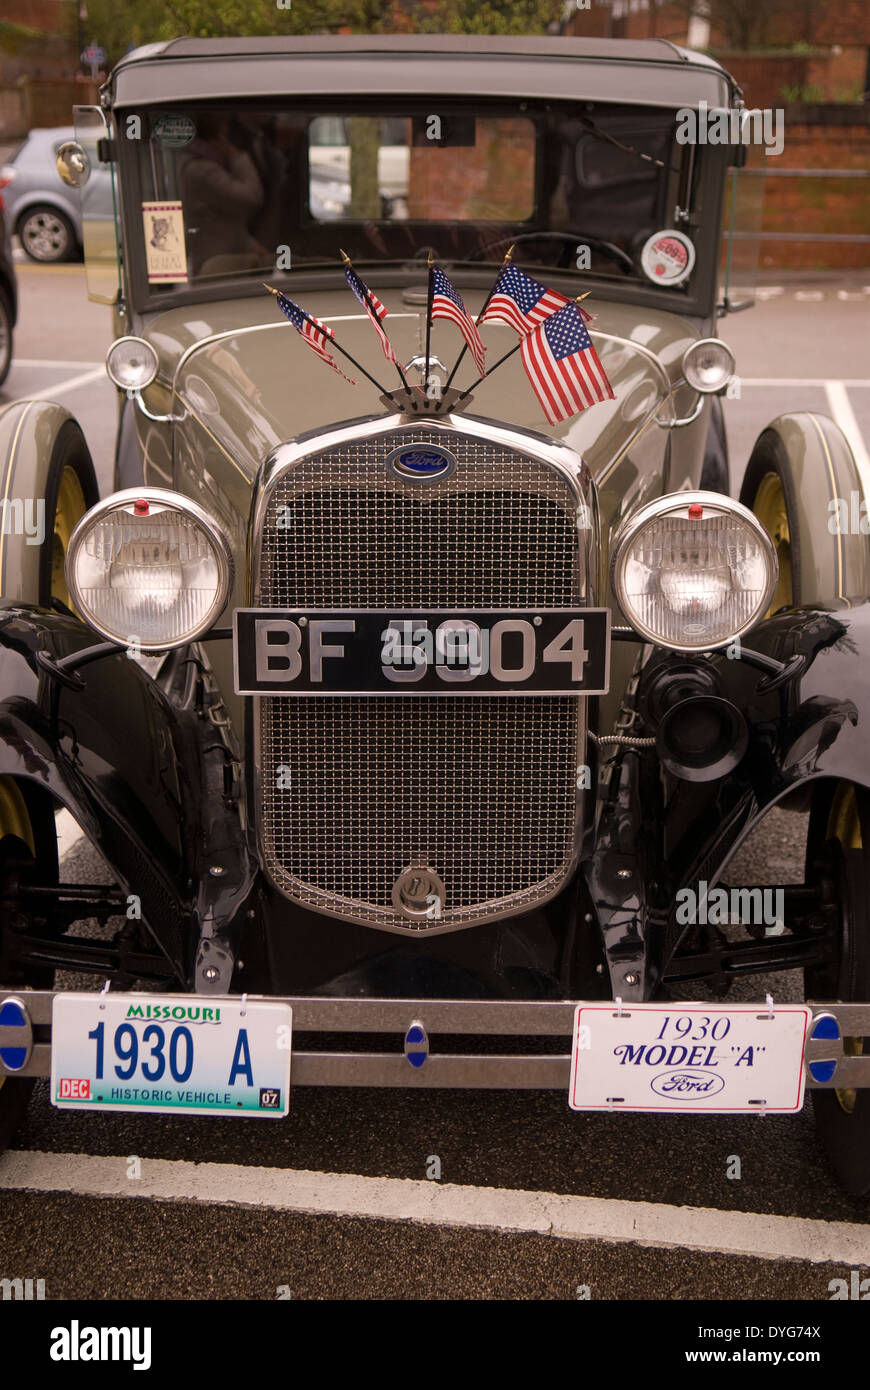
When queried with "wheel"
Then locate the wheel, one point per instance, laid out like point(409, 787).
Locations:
point(5, 336)
point(71, 489)
point(714, 474)
point(768, 490)
point(47, 235)
point(28, 852)
point(838, 847)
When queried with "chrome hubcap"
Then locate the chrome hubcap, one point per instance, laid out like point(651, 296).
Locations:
point(44, 236)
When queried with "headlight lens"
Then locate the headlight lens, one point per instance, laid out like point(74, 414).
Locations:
point(693, 571)
point(149, 566)
point(131, 363)
point(708, 365)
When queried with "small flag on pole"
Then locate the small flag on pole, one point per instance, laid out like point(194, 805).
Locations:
point(563, 366)
point(315, 333)
point(522, 303)
point(447, 304)
point(373, 307)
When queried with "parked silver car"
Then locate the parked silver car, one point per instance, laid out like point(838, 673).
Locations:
point(43, 212)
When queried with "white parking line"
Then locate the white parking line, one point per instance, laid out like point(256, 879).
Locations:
point(69, 832)
point(752, 1234)
point(71, 383)
point(844, 415)
point(50, 362)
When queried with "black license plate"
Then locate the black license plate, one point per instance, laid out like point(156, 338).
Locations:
point(367, 651)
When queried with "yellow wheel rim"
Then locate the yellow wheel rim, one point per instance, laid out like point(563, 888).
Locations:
point(68, 512)
point(844, 825)
point(14, 820)
point(770, 508)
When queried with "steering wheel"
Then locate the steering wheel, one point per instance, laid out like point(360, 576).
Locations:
point(607, 248)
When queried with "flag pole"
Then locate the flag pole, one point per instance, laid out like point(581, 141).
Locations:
point(368, 299)
point(509, 354)
point(430, 297)
point(336, 344)
point(509, 255)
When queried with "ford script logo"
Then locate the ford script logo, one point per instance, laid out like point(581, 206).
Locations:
point(687, 1081)
point(422, 464)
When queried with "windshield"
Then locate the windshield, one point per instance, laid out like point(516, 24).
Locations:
point(241, 190)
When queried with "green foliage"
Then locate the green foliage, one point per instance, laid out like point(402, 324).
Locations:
point(120, 24)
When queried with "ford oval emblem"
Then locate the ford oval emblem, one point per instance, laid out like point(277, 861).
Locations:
point(687, 1082)
point(422, 463)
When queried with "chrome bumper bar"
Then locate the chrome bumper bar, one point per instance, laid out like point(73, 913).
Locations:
point(467, 1018)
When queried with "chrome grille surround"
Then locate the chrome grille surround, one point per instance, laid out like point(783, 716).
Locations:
point(481, 787)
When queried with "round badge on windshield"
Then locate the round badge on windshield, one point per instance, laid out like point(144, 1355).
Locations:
point(667, 258)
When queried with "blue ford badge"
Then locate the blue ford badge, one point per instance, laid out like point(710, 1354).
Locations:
point(421, 463)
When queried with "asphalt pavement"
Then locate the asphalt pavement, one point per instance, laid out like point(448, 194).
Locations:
point(534, 1201)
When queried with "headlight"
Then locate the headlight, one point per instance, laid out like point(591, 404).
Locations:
point(708, 365)
point(131, 363)
point(693, 570)
point(149, 566)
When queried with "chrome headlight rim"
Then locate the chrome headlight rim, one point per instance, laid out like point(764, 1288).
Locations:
point(674, 502)
point(175, 501)
point(694, 348)
point(140, 343)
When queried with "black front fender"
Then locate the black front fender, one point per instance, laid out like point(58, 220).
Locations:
point(135, 771)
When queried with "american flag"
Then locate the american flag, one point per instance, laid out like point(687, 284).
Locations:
point(373, 307)
point(315, 333)
point(521, 302)
point(447, 304)
point(563, 366)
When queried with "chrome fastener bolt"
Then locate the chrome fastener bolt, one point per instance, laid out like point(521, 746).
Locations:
point(217, 870)
point(631, 978)
point(623, 873)
point(210, 974)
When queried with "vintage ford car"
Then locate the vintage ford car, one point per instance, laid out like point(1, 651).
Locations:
point(406, 712)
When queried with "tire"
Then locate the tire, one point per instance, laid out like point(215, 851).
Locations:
point(40, 867)
point(715, 473)
point(839, 847)
point(5, 335)
point(47, 236)
point(769, 491)
point(71, 489)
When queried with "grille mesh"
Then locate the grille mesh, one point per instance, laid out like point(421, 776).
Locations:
point(479, 788)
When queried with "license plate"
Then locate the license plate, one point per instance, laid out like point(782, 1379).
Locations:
point(703, 1058)
point(170, 1054)
point(367, 651)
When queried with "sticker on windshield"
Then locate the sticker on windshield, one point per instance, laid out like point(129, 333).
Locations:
point(173, 130)
point(164, 242)
point(667, 258)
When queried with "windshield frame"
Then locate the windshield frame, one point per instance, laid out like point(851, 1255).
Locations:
point(698, 301)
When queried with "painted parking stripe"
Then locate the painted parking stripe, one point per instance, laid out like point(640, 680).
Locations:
point(69, 832)
point(51, 362)
point(844, 415)
point(71, 383)
point(822, 381)
point(753, 1234)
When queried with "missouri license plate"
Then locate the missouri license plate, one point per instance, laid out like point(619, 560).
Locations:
point(170, 1054)
point(366, 651)
point(703, 1058)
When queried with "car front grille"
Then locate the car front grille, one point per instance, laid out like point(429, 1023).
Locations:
point(479, 788)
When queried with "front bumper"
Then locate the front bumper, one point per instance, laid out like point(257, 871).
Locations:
point(453, 1019)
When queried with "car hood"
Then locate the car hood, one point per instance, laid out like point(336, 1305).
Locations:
point(242, 373)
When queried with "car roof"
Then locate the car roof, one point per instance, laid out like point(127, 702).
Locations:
point(655, 71)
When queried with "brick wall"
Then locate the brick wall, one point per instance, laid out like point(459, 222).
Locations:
point(819, 138)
